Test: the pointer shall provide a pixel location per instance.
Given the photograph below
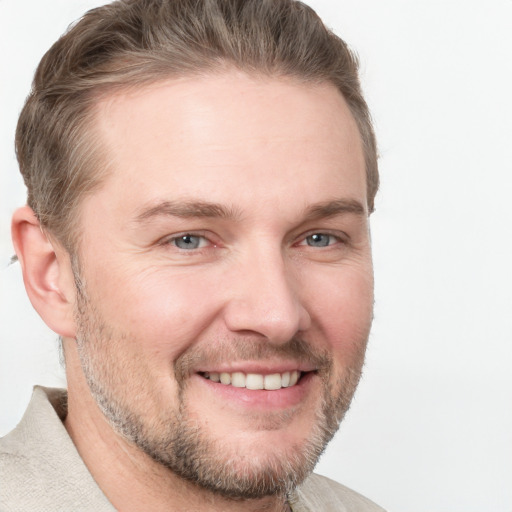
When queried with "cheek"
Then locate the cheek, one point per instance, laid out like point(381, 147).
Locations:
point(343, 310)
point(163, 314)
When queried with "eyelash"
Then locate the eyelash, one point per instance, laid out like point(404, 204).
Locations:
point(173, 239)
point(338, 238)
point(334, 238)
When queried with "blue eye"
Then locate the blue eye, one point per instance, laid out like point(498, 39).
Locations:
point(320, 240)
point(188, 242)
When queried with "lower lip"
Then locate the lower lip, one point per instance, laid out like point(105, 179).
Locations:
point(261, 399)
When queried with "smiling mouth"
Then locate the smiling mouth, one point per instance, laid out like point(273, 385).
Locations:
point(255, 381)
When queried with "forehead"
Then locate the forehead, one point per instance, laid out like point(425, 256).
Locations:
point(229, 134)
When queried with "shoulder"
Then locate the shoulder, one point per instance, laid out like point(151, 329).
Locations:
point(40, 469)
point(17, 469)
point(24, 445)
point(321, 494)
point(25, 461)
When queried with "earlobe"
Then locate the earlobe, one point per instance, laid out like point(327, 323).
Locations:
point(47, 272)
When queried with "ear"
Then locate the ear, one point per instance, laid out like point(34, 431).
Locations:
point(47, 272)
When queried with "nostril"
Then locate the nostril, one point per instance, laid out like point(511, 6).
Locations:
point(276, 325)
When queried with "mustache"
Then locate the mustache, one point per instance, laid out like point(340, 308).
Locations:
point(249, 349)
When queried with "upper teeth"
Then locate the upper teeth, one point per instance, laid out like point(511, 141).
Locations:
point(255, 380)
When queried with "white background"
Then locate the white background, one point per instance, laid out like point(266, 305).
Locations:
point(431, 426)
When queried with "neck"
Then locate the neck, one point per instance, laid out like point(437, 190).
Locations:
point(128, 477)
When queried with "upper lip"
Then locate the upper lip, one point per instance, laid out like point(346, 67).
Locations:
point(257, 367)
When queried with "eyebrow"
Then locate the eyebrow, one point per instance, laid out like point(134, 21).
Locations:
point(333, 208)
point(187, 210)
point(205, 209)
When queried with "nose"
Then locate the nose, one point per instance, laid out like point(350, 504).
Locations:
point(264, 299)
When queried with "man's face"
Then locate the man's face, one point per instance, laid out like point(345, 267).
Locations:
point(230, 241)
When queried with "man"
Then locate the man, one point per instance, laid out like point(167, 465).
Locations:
point(200, 176)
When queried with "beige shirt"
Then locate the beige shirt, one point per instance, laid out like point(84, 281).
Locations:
point(41, 470)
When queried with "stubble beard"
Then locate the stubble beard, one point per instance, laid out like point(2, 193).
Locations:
point(179, 442)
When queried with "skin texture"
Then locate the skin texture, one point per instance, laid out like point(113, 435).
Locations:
point(267, 177)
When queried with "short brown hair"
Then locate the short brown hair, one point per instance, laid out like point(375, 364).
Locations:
point(135, 42)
